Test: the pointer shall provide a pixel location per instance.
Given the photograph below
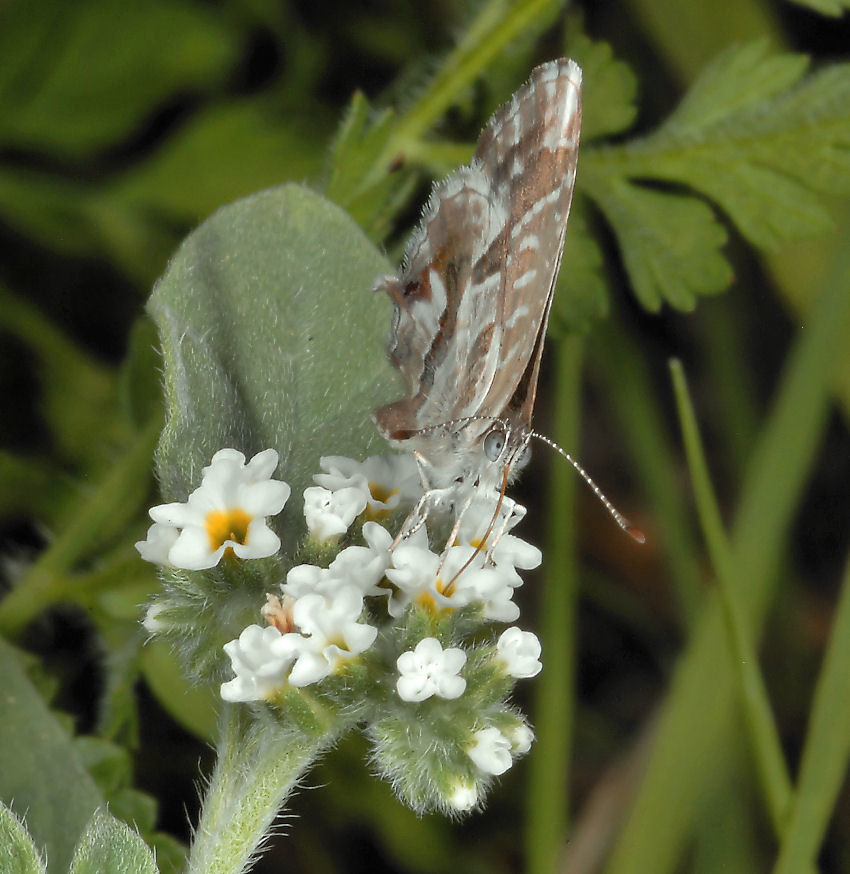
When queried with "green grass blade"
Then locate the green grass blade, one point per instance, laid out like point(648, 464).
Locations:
point(547, 808)
point(629, 385)
point(692, 737)
point(827, 749)
point(764, 737)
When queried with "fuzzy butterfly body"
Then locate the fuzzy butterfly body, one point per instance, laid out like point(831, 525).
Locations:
point(473, 296)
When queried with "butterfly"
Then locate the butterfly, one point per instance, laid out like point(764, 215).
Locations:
point(473, 297)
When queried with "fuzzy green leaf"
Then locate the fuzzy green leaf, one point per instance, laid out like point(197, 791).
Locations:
point(109, 845)
point(272, 337)
point(40, 771)
point(18, 854)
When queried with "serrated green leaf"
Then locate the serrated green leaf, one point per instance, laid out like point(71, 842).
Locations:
point(66, 87)
point(361, 134)
point(767, 207)
point(40, 771)
point(110, 845)
point(582, 297)
point(739, 79)
point(18, 854)
point(272, 337)
point(608, 89)
point(670, 243)
point(749, 136)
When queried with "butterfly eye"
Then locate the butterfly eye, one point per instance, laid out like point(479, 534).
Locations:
point(494, 443)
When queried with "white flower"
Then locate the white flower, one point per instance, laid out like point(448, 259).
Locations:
point(462, 580)
point(151, 624)
point(430, 670)
point(471, 582)
point(158, 544)
point(520, 652)
point(226, 512)
point(385, 481)
point(478, 524)
point(510, 552)
point(261, 658)
point(365, 566)
point(521, 739)
point(491, 751)
point(329, 514)
point(360, 566)
point(306, 579)
point(464, 796)
point(330, 632)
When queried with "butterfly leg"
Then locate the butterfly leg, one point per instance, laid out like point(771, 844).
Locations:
point(506, 513)
point(419, 514)
point(455, 529)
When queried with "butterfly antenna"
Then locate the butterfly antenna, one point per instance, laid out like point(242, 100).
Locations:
point(619, 518)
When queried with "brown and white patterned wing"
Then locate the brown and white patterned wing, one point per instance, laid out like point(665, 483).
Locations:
point(445, 337)
point(529, 150)
point(473, 299)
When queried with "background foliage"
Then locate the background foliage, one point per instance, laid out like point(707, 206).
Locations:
point(665, 744)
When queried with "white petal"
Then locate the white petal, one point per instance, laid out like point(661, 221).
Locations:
point(263, 464)
point(260, 541)
point(450, 687)
point(192, 550)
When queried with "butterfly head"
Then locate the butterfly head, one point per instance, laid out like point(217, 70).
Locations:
point(485, 451)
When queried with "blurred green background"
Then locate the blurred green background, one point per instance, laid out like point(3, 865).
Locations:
point(122, 126)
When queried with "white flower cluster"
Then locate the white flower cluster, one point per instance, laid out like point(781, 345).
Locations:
point(318, 622)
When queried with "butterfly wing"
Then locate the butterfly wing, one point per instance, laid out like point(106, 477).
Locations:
point(445, 335)
point(530, 150)
point(473, 298)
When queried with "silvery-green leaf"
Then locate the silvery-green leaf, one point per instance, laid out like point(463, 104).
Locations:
point(18, 854)
point(109, 845)
point(272, 337)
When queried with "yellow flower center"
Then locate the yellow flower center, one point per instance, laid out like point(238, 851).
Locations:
point(224, 525)
point(381, 494)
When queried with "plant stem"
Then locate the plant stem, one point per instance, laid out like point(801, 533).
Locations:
point(259, 764)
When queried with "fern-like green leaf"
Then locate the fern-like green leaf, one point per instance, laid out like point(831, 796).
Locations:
point(753, 137)
point(582, 297)
point(608, 89)
point(671, 243)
